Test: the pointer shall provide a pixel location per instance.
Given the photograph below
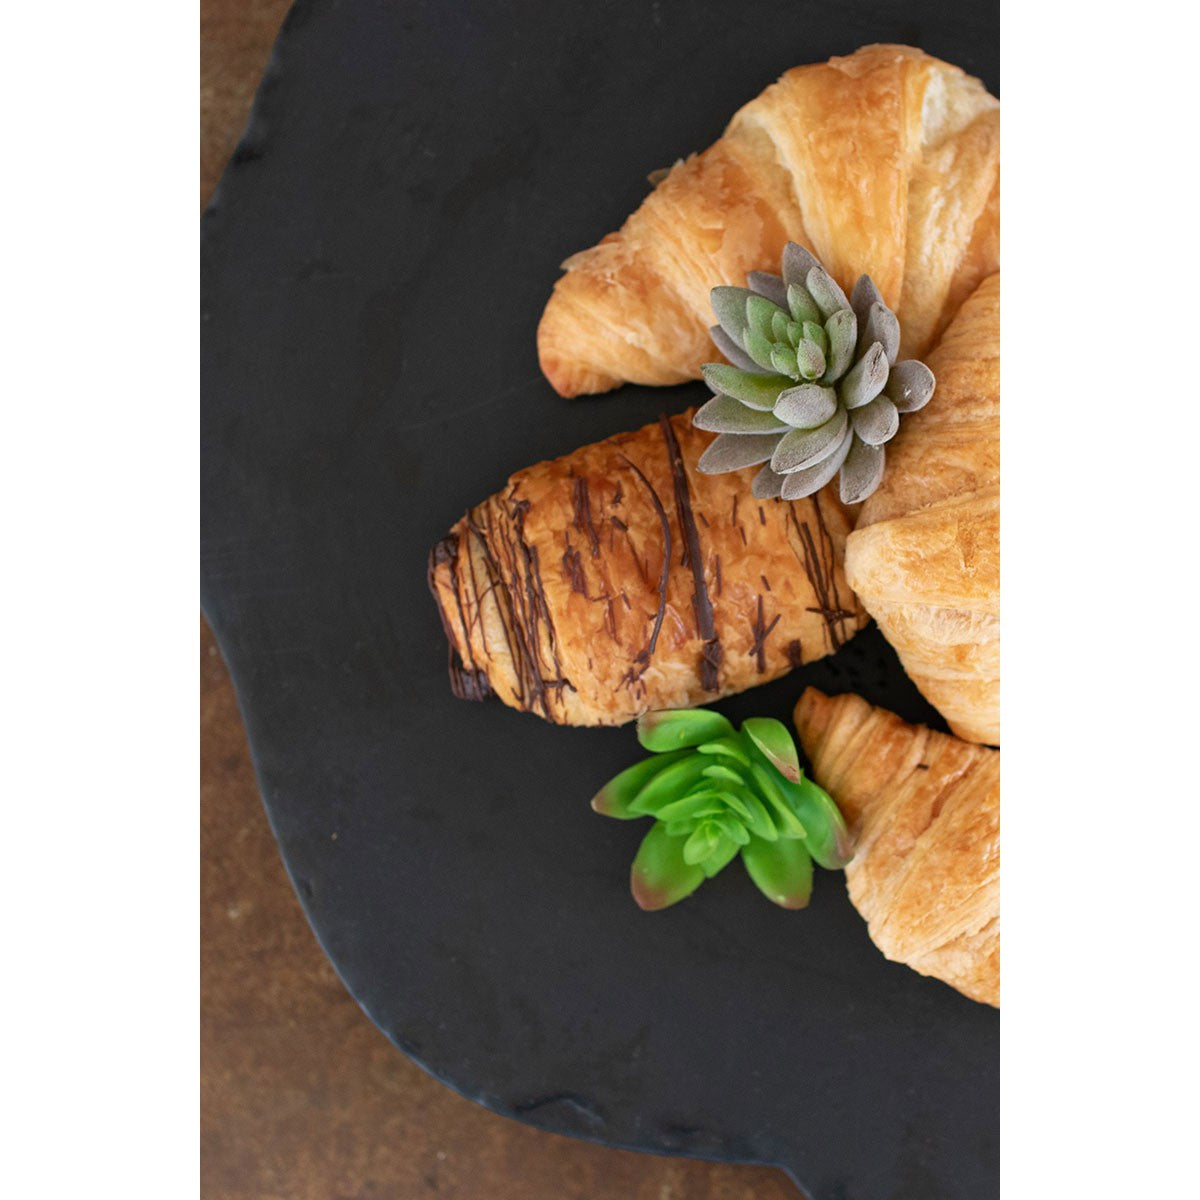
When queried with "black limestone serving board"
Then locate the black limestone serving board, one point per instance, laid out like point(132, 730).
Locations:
point(374, 265)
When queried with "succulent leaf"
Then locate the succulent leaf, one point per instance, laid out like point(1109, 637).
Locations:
point(877, 422)
point(822, 288)
point(766, 485)
point(772, 738)
point(681, 827)
point(768, 285)
point(714, 791)
point(781, 870)
point(882, 327)
point(827, 838)
point(802, 448)
point(702, 841)
point(732, 806)
point(810, 360)
point(760, 313)
point(785, 360)
point(806, 406)
point(759, 348)
point(679, 728)
point(729, 305)
point(797, 262)
point(667, 785)
point(758, 390)
point(864, 295)
point(725, 774)
point(614, 798)
point(864, 381)
point(721, 857)
point(861, 472)
point(779, 326)
point(660, 876)
point(733, 451)
point(798, 328)
point(816, 334)
point(736, 831)
point(842, 331)
point(786, 821)
point(724, 414)
point(726, 747)
point(799, 484)
point(910, 385)
point(732, 351)
point(682, 814)
point(760, 823)
point(801, 305)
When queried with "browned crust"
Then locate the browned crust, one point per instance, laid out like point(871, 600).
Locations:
point(914, 205)
point(925, 556)
point(924, 808)
point(619, 579)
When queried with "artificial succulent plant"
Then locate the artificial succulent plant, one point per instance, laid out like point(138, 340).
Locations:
point(814, 388)
point(716, 792)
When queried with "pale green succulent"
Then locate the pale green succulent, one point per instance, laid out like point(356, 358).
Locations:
point(814, 388)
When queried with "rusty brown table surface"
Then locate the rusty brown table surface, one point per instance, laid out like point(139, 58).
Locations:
point(302, 1098)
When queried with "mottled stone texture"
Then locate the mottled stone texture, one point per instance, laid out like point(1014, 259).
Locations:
point(302, 1098)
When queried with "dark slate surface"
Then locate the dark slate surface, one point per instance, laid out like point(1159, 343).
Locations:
point(374, 266)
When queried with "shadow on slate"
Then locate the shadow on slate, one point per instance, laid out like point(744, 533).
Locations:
point(374, 265)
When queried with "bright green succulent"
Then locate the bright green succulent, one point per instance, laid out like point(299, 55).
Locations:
point(715, 792)
point(814, 388)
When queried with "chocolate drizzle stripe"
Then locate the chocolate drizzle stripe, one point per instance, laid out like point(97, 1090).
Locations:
point(583, 514)
point(572, 563)
point(467, 682)
point(642, 659)
point(711, 652)
point(477, 618)
point(534, 611)
point(761, 632)
point(496, 586)
point(838, 608)
point(821, 572)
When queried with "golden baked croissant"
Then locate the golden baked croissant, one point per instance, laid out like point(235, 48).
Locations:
point(924, 558)
point(924, 809)
point(618, 579)
point(885, 162)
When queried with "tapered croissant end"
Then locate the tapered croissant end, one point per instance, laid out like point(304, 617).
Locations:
point(467, 681)
point(915, 206)
point(567, 377)
point(925, 811)
point(592, 307)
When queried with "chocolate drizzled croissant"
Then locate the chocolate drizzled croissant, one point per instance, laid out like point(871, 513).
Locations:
point(618, 579)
